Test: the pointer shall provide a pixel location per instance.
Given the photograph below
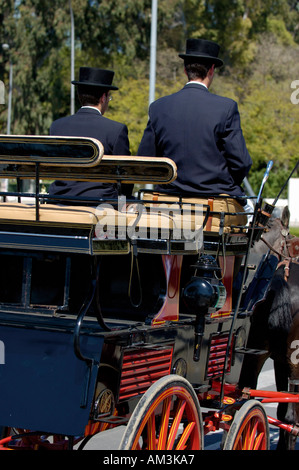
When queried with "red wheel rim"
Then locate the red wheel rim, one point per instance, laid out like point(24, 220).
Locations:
point(165, 436)
point(252, 434)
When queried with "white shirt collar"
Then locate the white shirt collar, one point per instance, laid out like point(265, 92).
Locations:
point(91, 107)
point(197, 83)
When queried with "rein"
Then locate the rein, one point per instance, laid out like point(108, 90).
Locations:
point(272, 249)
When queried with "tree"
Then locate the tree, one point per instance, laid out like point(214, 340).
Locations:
point(34, 29)
point(259, 44)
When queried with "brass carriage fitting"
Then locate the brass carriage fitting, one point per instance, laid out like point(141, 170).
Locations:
point(104, 403)
point(246, 393)
point(180, 367)
point(295, 430)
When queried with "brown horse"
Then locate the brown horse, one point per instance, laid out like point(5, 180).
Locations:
point(275, 321)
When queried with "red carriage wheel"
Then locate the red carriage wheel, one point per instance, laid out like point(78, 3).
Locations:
point(167, 417)
point(249, 429)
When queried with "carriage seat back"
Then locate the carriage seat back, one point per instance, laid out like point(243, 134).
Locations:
point(77, 159)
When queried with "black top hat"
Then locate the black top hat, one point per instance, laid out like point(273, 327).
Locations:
point(95, 77)
point(202, 49)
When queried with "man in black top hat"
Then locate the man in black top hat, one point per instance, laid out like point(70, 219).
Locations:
point(93, 89)
point(199, 130)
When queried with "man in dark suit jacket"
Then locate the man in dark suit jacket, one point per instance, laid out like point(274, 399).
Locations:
point(94, 86)
point(200, 131)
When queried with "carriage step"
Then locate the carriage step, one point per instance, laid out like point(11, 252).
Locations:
point(115, 420)
point(254, 352)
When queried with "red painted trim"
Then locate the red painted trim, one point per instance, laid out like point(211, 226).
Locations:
point(170, 309)
point(227, 265)
point(141, 368)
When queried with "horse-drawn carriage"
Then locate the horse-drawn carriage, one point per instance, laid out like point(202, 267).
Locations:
point(128, 312)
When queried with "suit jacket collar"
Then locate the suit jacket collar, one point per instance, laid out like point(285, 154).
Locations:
point(195, 85)
point(89, 109)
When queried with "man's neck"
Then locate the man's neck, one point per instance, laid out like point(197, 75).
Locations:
point(92, 107)
point(198, 82)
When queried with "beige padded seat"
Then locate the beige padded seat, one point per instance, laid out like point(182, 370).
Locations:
point(51, 213)
point(234, 212)
point(168, 220)
point(88, 216)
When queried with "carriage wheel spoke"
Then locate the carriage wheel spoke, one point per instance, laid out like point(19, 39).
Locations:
point(164, 424)
point(259, 441)
point(252, 437)
point(247, 436)
point(185, 436)
point(175, 425)
point(151, 432)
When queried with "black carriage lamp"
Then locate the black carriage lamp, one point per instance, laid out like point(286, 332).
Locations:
point(203, 292)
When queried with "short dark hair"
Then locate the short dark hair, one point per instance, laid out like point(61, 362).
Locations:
point(196, 70)
point(90, 95)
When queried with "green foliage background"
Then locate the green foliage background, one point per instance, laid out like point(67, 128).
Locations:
point(259, 44)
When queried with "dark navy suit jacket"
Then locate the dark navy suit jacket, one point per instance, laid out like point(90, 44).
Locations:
point(201, 132)
point(88, 122)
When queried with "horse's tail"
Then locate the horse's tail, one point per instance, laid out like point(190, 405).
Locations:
point(280, 315)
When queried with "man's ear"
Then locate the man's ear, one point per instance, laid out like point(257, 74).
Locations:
point(102, 98)
point(211, 70)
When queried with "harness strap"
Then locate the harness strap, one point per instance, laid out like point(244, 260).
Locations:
point(209, 222)
point(288, 259)
point(272, 249)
